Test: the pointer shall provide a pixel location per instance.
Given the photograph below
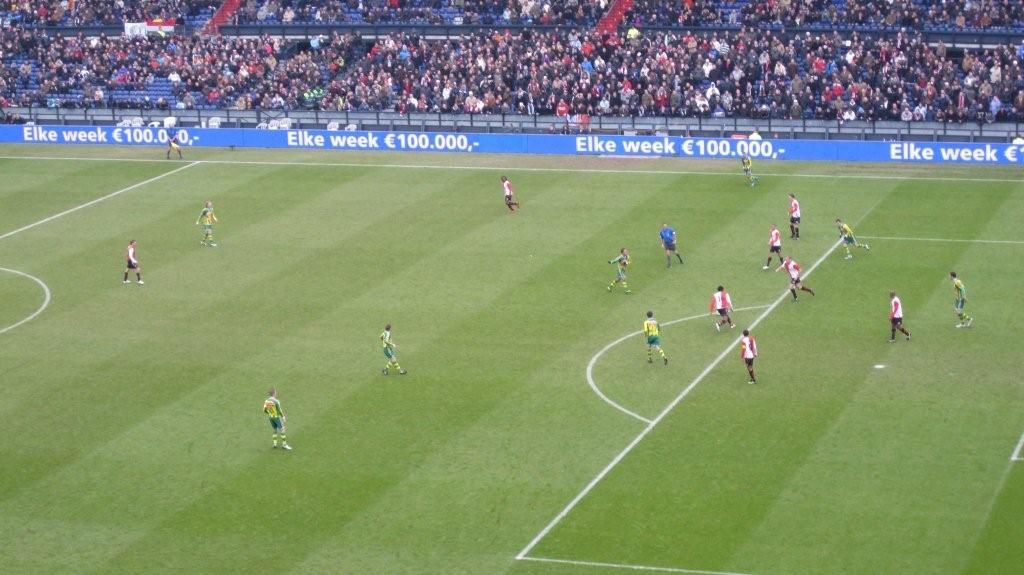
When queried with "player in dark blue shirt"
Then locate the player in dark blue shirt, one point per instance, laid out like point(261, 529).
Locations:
point(668, 241)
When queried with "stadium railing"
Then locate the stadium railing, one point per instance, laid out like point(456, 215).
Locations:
point(512, 123)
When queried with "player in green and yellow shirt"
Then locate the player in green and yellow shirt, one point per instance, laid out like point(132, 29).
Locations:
point(748, 170)
point(272, 407)
point(846, 233)
point(620, 273)
point(651, 332)
point(207, 218)
point(390, 352)
point(960, 301)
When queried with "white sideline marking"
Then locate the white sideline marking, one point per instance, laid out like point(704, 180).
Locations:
point(597, 356)
point(95, 201)
point(957, 240)
point(514, 169)
point(46, 299)
point(626, 566)
point(668, 408)
point(1017, 455)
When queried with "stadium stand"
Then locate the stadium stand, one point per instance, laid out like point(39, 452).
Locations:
point(105, 12)
point(627, 69)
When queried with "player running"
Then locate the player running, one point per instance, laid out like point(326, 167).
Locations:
point(651, 331)
point(207, 218)
point(960, 301)
point(896, 317)
point(846, 234)
point(774, 246)
point(620, 272)
point(795, 282)
point(132, 263)
point(722, 303)
point(668, 241)
point(390, 352)
point(748, 165)
point(173, 145)
point(510, 197)
point(748, 352)
point(794, 218)
point(272, 407)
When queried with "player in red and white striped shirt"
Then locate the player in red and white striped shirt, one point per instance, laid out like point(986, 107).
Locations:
point(794, 218)
point(896, 317)
point(132, 263)
point(510, 199)
point(748, 352)
point(795, 282)
point(774, 246)
point(722, 303)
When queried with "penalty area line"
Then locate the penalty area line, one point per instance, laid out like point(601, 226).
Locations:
point(664, 412)
point(597, 356)
point(951, 240)
point(96, 201)
point(625, 566)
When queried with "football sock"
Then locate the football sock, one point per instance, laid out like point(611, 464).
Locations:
point(138, 277)
point(661, 352)
point(793, 291)
point(125, 276)
point(275, 440)
point(668, 260)
point(680, 258)
point(807, 289)
point(650, 355)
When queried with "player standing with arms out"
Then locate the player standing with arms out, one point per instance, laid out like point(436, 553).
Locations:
point(668, 241)
point(172, 144)
point(651, 331)
point(272, 407)
point(774, 246)
point(620, 271)
point(795, 282)
point(960, 301)
point(748, 171)
point(132, 263)
point(846, 234)
point(748, 352)
point(896, 317)
point(794, 217)
point(510, 197)
point(722, 303)
point(390, 352)
point(207, 218)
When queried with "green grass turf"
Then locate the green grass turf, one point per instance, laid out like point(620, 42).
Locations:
point(134, 440)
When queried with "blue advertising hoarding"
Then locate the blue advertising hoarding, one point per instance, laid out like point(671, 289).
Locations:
point(575, 145)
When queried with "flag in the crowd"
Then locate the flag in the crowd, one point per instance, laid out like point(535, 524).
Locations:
point(161, 26)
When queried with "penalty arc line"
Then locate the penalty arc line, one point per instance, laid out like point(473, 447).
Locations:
point(1017, 454)
point(46, 299)
point(597, 356)
point(96, 201)
point(515, 169)
point(629, 567)
point(664, 412)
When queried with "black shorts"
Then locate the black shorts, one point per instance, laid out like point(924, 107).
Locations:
point(795, 281)
point(133, 265)
point(896, 321)
point(749, 361)
point(775, 249)
point(795, 220)
point(509, 200)
point(670, 247)
point(723, 311)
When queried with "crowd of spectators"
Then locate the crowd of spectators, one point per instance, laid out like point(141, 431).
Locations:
point(748, 73)
point(751, 73)
point(851, 14)
point(482, 12)
point(240, 73)
point(99, 12)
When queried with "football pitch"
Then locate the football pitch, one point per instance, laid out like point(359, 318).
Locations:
point(530, 435)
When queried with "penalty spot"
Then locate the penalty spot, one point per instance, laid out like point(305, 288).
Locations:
point(879, 366)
